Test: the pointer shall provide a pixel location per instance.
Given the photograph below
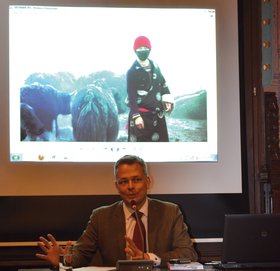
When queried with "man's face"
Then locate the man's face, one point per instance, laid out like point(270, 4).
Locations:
point(132, 183)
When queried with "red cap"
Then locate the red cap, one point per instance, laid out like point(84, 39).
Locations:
point(142, 41)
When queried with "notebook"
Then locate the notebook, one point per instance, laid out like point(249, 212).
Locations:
point(251, 241)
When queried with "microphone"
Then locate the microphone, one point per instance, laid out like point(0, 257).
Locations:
point(132, 265)
point(133, 205)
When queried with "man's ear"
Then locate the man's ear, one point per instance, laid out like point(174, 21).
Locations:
point(148, 182)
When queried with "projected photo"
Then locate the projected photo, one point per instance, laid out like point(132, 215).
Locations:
point(91, 83)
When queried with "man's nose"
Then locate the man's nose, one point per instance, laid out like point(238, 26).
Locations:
point(130, 184)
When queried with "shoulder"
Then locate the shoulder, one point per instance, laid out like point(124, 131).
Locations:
point(164, 205)
point(169, 211)
point(154, 65)
point(134, 68)
point(108, 210)
point(155, 68)
point(158, 208)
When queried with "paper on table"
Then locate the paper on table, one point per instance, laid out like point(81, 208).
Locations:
point(95, 268)
point(186, 266)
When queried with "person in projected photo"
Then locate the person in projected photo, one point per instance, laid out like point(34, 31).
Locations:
point(109, 235)
point(149, 97)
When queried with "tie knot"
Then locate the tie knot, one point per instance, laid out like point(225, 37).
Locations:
point(140, 214)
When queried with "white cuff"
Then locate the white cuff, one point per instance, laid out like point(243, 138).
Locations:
point(135, 116)
point(155, 258)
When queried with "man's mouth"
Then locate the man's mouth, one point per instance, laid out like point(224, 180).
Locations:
point(131, 196)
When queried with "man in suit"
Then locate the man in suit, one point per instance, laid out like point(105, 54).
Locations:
point(108, 236)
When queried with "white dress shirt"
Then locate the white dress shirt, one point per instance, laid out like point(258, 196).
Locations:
point(130, 223)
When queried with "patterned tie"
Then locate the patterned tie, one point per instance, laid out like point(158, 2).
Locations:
point(137, 239)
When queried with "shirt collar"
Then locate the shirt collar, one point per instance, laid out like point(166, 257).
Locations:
point(128, 211)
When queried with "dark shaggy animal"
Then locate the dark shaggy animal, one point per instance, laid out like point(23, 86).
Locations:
point(47, 103)
point(30, 125)
point(94, 115)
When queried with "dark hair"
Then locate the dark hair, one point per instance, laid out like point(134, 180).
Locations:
point(131, 159)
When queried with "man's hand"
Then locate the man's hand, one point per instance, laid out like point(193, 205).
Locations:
point(139, 123)
point(168, 107)
point(51, 248)
point(133, 251)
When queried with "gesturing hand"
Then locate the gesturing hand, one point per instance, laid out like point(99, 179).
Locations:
point(51, 248)
point(132, 250)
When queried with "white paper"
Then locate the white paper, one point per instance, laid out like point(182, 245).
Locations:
point(186, 266)
point(95, 268)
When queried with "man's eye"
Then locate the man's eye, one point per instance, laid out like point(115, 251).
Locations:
point(136, 180)
point(122, 182)
point(133, 180)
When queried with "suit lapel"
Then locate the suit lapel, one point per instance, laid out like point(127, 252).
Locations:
point(153, 224)
point(118, 229)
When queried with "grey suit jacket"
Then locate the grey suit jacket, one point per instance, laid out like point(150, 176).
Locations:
point(103, 243)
